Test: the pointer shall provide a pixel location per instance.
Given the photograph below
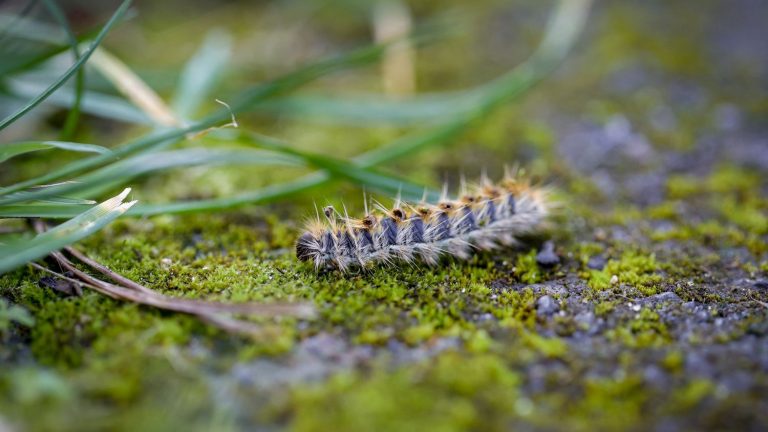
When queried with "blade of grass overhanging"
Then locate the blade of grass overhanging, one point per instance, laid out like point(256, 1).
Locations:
point(53, 200)
point(374, 109)
point(56, 200)
point(94, 103)
point(70, 123)
point(133, 88)
point(120, 172)
point(564, 26)
point(16, 254)
point(359, 57)
point(342, 169)
point(36, 31)
point(571, 13)
point(48, 211)
point(249, 98)
point(442, 106)
point(8, 151)
point(74, 68)
point(201, 74)
point(262, 195)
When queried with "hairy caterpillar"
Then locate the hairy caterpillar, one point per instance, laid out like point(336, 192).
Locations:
point(490, 217)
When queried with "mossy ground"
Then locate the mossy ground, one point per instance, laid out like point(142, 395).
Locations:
point(655, 318)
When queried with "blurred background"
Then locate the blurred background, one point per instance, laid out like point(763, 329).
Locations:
point(648, 119)
point(656, 87)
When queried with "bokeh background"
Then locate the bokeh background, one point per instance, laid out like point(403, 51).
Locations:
point(652, 132)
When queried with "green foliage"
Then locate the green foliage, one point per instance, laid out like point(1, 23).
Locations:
point(18, 253)
point(8, 151)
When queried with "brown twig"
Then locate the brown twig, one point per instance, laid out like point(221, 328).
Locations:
point(208, 311)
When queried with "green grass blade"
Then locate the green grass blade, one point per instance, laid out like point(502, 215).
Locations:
point(201, 74)
point(8, 151)
point(343, 169)
point(362, 111)
point(263, 195)
point(74, 68)
point(43, 210)
point(70, 123)
point(561, 34)
point(94, 103)
point(121, 172)
point(371, 110)
point(15, 254)
point(246, 101)
point(563, 29)
point(58, 200)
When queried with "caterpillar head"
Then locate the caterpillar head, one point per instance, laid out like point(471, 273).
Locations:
point(307, 246)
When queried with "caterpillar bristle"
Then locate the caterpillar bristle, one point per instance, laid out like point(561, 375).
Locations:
point(485, 216)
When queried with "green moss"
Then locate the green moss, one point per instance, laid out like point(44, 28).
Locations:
point(682, 186)
point(644, 330)
point(633, 268)
point(604, 308)
point(666, 210)
point(732, 194)
point(415, 335)
point(611, 404)
point(689, 396)
point(548, 347)
point(479, 342)
point(673, 361)
point(526, 269)
point(450, 393)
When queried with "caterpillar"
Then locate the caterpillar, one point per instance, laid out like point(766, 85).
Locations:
point(487, 216)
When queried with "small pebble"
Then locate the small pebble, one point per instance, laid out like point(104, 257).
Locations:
point(614, 280)
point(667, 297)
point(545, 305)
point(547, 256)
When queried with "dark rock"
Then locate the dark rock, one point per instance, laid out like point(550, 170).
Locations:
point(545, 305)
point(691, 305)
point(666, 297)
point(761, 284)
point(547, 256)
point(585, 320)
